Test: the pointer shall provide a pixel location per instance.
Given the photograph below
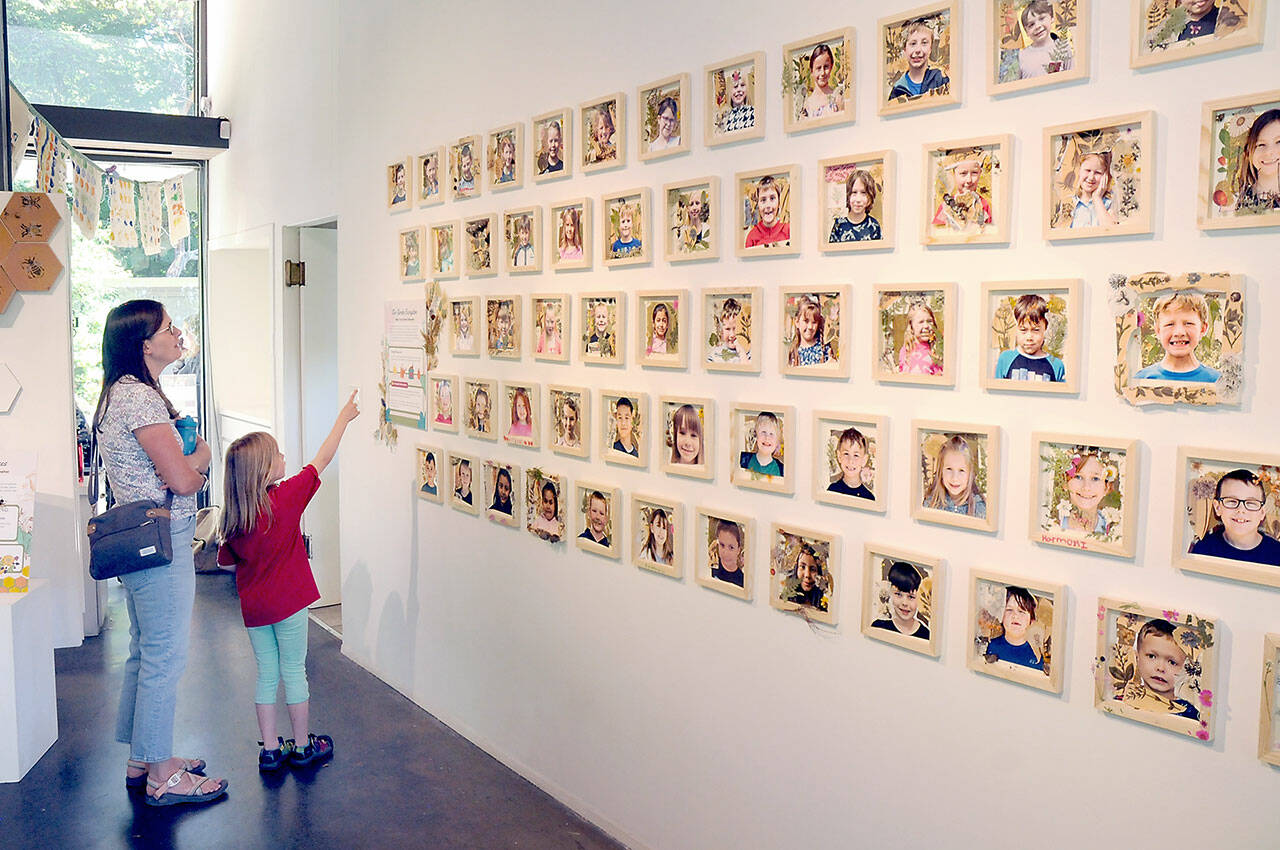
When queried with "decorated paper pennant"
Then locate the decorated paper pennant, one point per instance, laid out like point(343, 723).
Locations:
point(124, 217)
point(86, 195)
point(176, 199)
point(46, 156)
point(19, 127)
point(151, 218)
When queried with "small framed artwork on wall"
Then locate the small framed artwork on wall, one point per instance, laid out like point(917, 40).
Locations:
point(1034, 336)
point(920, 58)
point(735, 94)
point(520, 411)
point(502, 326)
point(692, 213)
point(604, 133)
point(657, 535)
point(1269, 721)
point(571, 234)
point(851, 451)
point(441, 392)
point(522, 234)
point(665, 128)
point(1099, 177)
point(504, 151)
point(1227, 518)
point(603, 320)
point(1239, 165)
point(767, 198)
point(480, 399)
point(688, 444)
point(1017, 629)
point(462, 471)
point(480, 235)
point(545, 498)
point(804, 567)
point(967, 195)
point(626, 232)
point(430, 168)
point(552, 338)
point(1164, 31)
point(598, 514)
point(624, 427)
point(815, 331)
point(398, 186)
point(731, 324)
point(551, 145)
point(409, 256)
point(662, 316)
point(1035, 43)
point(902, 598)
point(1085, 493)
point(429, 485)
point(444, 250)
point(915, 343)
point(856, 202)
point(501, 498)
point(723, 553)
point(818, 81)
point(465, 157)
point(957, 477)
point(762, 447)
point(463, 314)
point(570, 417)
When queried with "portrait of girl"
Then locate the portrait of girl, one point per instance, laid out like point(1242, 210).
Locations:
point(686, 440)
point(500, 493)
point(600, 133)
point(918, 355)
point(551, 149)
point(852, 219)
point(663, 129)
point(479, 409)
point(567, 419)
point(954, 470)
point(690, 235)
point(1243, 159)
point(811, 331)
point(817, 78)
point(520, 431)
point(732, 112)
point(1101, 177)
point(802, 573)
point(969, 193)
point(544, 517)
point(464, 340)
point(569, 234)
point(442, 255)
point(442, 397)
point(657, 533)
point(1082, 493)
point(548, 327)
point(504, 169)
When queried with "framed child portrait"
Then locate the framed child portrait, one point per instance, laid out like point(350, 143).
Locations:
point(626, 233)
point(657, 535)
point(463, 313)
point(730, 325)
point(1100, 177)
point(552, 314)
point(803, 572)
point(462, 472)
point(481, 396)
point(603, 317)
point(570, 418)
point(502, 326)
point(1179, 339)
point(624, 428)
point(662, 317)
point(409, 256)
point(551, 145)
point(735, 98)
point(688, 429)
point(722, 553)
point(766, 226)
point(850, 452)
point(598, 519)
point(692, 213)
point(902, 595)
point(571, 234)
point(503, 150)
point(1239, 165)
point(815, 340)
point(430, 167)
point(913, 344)
point(967, 195)
point(441, 392)
point(1269, 721)
point(759, 439)
point(856, 202)
point(1017, 629)
point(1157, 665)
point(1036, 43)
point(501, 498)
point(957, 478)
point(1085, 493)
point(818, 81)
point(920, 59)
point(479, 236)
point(520, 412)
point(444, 248)
point(1164, 31)
point(398, 186)
point(544, 499)
point(465, 158)
point(665, 128)
point(522, 235)
point(1227, 519)
point(429, 484)
point(1034, 342)
point(604, 133)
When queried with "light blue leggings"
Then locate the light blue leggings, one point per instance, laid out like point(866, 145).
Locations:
point(281, 650)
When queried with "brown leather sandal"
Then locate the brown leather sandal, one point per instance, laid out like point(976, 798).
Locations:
point(139, 782)
point(166, 797)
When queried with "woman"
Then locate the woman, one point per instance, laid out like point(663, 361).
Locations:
point(142, 455)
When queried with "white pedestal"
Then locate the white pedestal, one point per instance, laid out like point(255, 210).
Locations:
point(28, 701)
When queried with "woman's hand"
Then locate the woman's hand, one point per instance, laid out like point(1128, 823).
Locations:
point(202, 457)
point(175, 469)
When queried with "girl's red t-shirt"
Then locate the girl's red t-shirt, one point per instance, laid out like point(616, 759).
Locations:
point(273, 575)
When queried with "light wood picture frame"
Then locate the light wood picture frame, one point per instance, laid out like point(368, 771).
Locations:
point(466, 168)
point(1152, 370)
point(480, 245)
point(1163, 32)
point(445, 239)
point(664, 123)
point(731, 327)
point(603, 124)
point(658, 535)
point(688, 446)
point(463, 472)
point(823, 312)
point(1112, 161)
point(1269, 718)
point(1085, 493)
point(691, 220)
point(464, 318)
point(508, 510)
point(626, 230)
point(771, 228)
point(625, 427)
point(913, 320)
point(968, 195)
point(546, 498)
point(1032, 343)
point(551, 145)
point(430, 170)
point(1202, 541)
point(551, 330)
point(804, 572)
point(867, 180)
point(569, 420)
point(570, 230)
point(598, 522)
point(1233, 191)
point(522, 240)
point(851, 445)
point(902, 598)
point(663, 338)
point(749, 438)
point(480, 397)
point(819, 81)
point(1173, 687)
point(724, 552)
point(956, 465)
point(516, 430)
point(925, 40)
point(410, 260)
point(1031, 50)
point(735, 94)
point(429, 481)
point(603, 320)
point(504, 153)
point(1017, 629)
point(504, 327)
point(444, 410)
point(399, 198)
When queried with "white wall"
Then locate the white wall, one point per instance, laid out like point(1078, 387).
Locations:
point(674, 716)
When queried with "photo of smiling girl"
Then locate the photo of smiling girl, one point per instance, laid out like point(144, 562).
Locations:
point(958, 475)
point(688, 437)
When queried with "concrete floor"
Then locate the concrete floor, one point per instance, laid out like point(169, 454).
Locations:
point(399, 778)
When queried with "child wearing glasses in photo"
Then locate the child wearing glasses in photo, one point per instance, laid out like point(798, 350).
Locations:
point(1239, 501)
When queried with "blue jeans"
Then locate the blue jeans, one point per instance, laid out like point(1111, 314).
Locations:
point(160, 601)
point(281, 650)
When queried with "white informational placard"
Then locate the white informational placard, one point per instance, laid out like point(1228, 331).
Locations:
point(17, 515)
point(406, 360)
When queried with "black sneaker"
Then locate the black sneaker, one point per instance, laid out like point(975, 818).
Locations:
point(272, 760)
point(319, 748)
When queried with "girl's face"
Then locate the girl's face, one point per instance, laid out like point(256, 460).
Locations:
point(522, 231)
point(548, 505)
point(551, 318)
point(667, 123)
point(695, 209)
point(905, 603)
point(729, 549)
point(482, 407)
point(688, 444)
point(1090, 175)
point(768, 201)
point(738, 93)
point(660, 322)
point(522, 409)
point(729, 330)
point(504, 488)
point(277, 462)
point(431, 169)
point(569, 421)
point(446, 400)
point(807, 571)
point(922, 326)
point(464, 322)
point(1088, 486)
point(1038, 26)
point(658, 528)
point(968, 173)
point(553, 143)
point(955, 472)
point(807, 325)
point(504, 324)
point(568, 227)
point(820, 68)
point(1265, 155)
point(1016, 621)
point(602, 129)
point(601, 314)
point(859, 200)
point(464, 479)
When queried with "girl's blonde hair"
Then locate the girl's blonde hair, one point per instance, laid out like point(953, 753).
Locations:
point(685, 419)
point(807, 304)
point(1247, 175)
point(937, 495)
point(909, 335)
point(573, 217)
point(1103, 157)
point(244, 486)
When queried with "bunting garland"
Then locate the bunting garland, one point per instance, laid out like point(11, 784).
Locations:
point(150, 214)
point(123, 224)
point(179, 222)
point(86, 196)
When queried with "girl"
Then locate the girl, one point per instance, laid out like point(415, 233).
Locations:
point(602, 148)
point(1091, 205)
point(462, 482)
point(507, 159)
point(1258, 178)
point(823, 100)
point(807, 346)
point(502, 492)
point(668, 126)
point(262, 537)
point(954, 487)
point(809, 570)
point(728, 555)
point(546, 525)
point(857, 225)
point(521, 424)
point(1088, 483)
point(917, 357)
point(658, 545)
point(686, 430)
point(571, 234)
point(444, 403)
point(444, 250)
point(567, 433)
point(549, 341)
point(741, 115)
point(697, 235)
point(462, 323)
point(480, 412)
point(661, 323)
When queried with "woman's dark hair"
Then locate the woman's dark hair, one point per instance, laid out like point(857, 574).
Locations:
point(128, 326)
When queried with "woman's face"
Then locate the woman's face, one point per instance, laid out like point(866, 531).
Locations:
point(688, 444)
point(1266, 152)
point(820, 67)
point(954, 468)
point(165, 345)
point(1088, 486)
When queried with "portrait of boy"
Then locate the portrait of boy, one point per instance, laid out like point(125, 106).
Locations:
point(918, 39)
point(1239, 512)
point(1029, 361)
point(904, 582)
point(765, 458)
point(767, 213)
point(1179, 321)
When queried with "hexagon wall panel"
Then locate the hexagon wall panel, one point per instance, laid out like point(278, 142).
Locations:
point(7, 291)
point(32, 266)
point(9, 388)
point(30, 217)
